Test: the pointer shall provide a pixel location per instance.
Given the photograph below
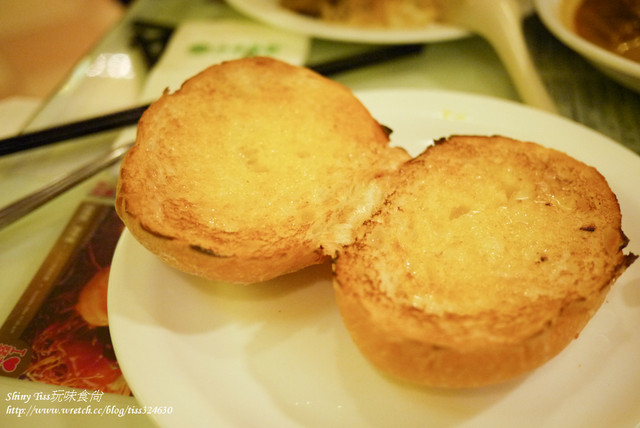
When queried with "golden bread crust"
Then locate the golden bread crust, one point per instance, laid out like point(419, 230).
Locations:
point(488, 259)
point(468, 265)
point(248, 170)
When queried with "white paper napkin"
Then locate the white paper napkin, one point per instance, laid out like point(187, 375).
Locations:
point(196, 45)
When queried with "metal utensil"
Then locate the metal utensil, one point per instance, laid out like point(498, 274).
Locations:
point(25, 205)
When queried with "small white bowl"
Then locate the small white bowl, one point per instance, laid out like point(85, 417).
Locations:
point(557, 15)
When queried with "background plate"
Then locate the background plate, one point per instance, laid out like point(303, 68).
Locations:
point(558, 15)
point(270, 12)
point(278, 355)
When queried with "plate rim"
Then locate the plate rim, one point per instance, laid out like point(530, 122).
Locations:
point(269, 13)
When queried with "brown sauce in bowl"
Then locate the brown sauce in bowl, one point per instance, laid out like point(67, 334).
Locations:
point(611, 24)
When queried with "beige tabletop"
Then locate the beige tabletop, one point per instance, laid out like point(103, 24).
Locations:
point(468, 65)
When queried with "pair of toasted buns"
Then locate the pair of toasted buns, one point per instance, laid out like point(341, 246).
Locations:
point(468, 265)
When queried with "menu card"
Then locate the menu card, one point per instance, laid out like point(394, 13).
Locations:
point(58, 332)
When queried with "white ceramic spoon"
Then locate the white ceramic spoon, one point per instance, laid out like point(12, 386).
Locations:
point(500, 23)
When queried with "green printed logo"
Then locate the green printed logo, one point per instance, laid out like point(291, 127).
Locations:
point(236, 49)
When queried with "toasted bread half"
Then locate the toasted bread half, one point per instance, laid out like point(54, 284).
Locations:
point(252, 169)
point(486, 260)
point(470, 264)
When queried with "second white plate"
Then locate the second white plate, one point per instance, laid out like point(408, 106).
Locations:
point(270, 12)
point(557, 15)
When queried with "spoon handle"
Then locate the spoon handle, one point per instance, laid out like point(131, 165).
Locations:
point(25, 205)
point(508, 41)
point(500, 23)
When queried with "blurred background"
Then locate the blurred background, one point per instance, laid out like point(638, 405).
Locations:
point(41, 40)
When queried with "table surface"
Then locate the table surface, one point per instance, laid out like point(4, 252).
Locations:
point(581, 92)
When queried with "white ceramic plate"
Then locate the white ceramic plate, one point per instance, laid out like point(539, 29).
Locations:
point(557, 15)
point(277, 354)
point(270, 12)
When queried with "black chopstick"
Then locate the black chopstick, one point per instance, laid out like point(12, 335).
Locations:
point(31, 140)
point(120, 119)
point(374, 56)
